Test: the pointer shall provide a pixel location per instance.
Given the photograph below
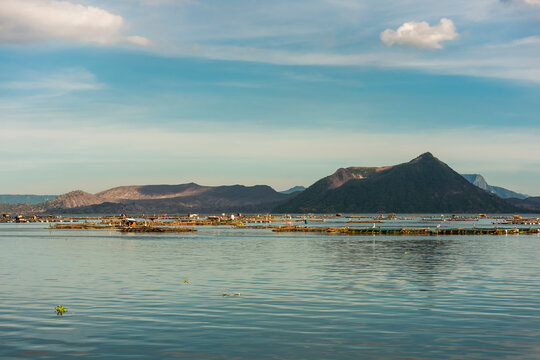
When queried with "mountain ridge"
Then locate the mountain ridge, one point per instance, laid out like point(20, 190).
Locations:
point(424, 184)
point(181, 198)
point(480, 181)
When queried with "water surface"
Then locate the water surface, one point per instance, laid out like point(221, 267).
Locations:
point(303, 296)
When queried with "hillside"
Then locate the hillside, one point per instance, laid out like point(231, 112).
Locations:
point(424, 184)
point(72, 199)
point(165, 199)
point(531, 203)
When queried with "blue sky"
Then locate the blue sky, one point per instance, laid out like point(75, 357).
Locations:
point(96, 94)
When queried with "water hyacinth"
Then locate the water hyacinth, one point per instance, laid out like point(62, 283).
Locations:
point(60, 310)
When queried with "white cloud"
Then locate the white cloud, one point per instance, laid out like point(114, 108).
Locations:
point(27, 21)
point(420, 34)
point(533, 2)
point(138, 40)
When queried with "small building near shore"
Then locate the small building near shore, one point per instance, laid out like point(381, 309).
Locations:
point(129, 221)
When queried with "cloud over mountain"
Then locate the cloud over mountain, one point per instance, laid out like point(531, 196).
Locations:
point(421, 34)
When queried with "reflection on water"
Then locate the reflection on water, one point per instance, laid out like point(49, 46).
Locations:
point(302, 295)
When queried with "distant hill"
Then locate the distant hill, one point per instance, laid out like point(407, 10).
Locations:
point(531, 203)
point(478, 180)
point(72, 199)
point(25, 199)
point(424, 184)
point(172, 199)
point(293, 190)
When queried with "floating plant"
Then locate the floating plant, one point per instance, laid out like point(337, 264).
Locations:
point(60, 310)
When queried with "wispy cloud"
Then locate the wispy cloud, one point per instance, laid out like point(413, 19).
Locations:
point(529, 40)
point(525, 2)
point(29, 21)
point(67, 80)
point(479, 61)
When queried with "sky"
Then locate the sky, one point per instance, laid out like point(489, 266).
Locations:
point(102, 93)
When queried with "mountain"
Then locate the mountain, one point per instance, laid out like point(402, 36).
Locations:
point(172, 199)
point(293, 190)
point(26, 199)
point(478, 180)
point(72, 199)
point(531, 203)
point(422, 185)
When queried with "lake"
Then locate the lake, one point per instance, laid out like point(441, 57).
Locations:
point(301, 296)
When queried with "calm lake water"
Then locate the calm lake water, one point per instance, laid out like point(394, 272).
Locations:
point(303, 296)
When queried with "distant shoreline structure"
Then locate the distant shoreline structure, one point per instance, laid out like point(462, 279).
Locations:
point(389, 224)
